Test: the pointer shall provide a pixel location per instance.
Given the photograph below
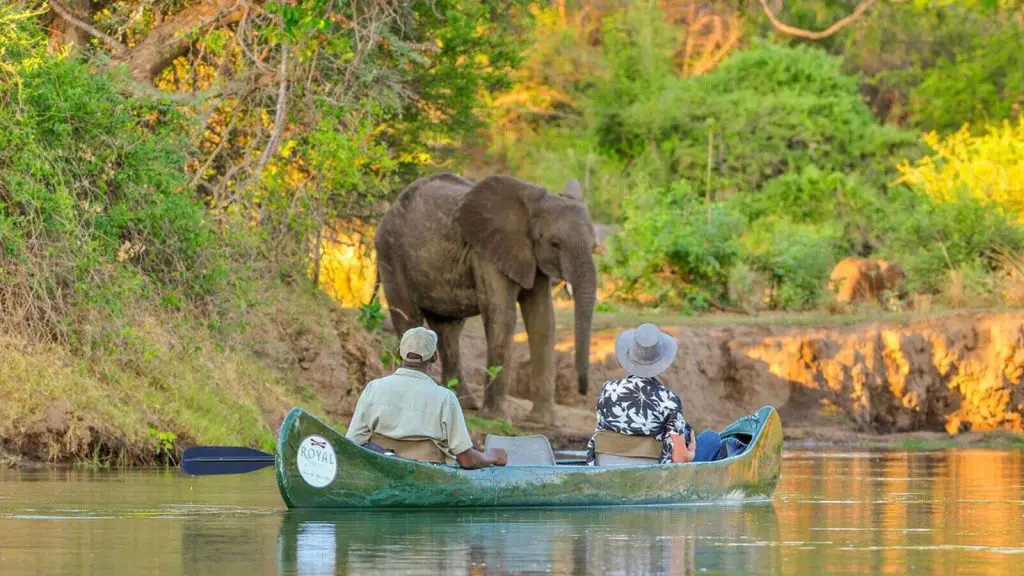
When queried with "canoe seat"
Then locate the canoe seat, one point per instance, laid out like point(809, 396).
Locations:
point(614, 449)
point(423, 450)
point(523, 450)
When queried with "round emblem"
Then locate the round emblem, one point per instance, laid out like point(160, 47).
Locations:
point(317, 463)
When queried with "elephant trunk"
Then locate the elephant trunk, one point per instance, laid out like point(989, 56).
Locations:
point(583, 278)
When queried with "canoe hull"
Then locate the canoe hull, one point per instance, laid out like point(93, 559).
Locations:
point(344, 475)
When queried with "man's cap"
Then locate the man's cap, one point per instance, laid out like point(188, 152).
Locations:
point(419, 341)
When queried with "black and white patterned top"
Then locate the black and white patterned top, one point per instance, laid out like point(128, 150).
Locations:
point(638, 406)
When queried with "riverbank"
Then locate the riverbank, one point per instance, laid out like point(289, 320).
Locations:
point(903, 381)
point(891, 380)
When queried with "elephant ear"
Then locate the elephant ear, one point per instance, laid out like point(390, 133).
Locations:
point(494, 219)
point(573, 190)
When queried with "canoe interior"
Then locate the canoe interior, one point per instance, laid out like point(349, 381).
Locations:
point(335, 473)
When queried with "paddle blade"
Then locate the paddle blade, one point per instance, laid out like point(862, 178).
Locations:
point(213, 460)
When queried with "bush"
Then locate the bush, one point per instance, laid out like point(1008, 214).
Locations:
point(675, 247)
point(989, 167)
point(961, 208)
point(798, 163)
point(930, 237)
point(797, 258)
point(812, 196)
point(772, 110)
point(93, 197)
point(981, 84)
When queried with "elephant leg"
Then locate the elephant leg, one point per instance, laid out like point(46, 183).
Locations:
point(449, 332)
point(497, 297)
point(499, 328)
point(404, 313)
point(539, 318)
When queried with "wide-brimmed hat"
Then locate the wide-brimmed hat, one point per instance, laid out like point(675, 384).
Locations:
point(645, 351)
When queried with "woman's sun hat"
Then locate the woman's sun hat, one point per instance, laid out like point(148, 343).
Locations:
point(645, 351)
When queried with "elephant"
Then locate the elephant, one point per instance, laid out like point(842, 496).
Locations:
point(450, 248)
point(860, 279)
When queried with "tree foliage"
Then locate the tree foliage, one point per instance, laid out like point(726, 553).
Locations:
point(770, 167)
point(93, 201)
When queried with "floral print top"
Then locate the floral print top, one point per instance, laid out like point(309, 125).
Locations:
point(637, 406)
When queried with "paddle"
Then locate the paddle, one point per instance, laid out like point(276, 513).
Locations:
point(211, 460)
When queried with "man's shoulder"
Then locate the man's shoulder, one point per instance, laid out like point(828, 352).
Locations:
point(446, 394)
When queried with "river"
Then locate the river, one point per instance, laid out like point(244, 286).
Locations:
point(947, 512)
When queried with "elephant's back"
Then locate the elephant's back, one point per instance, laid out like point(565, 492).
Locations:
point(420, 232)
point(434, 192)
point(422, 209)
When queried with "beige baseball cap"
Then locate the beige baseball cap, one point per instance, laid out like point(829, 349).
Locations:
point(420, 341)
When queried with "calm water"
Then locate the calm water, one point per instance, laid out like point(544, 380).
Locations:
point(956, 512)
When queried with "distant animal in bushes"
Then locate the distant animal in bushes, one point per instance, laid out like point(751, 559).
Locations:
point(855, 280)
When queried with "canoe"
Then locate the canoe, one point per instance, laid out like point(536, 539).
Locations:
point(317, 467)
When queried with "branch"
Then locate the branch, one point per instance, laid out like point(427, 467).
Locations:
point(172, 37)
point(65, 13)
point(811, 34)
point(280, 116)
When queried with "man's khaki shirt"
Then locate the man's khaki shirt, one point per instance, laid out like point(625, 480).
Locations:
point(409, 405)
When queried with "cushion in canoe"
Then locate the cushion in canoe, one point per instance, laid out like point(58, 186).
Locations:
point(614, 449)
point(523, 450)
point(424, 450)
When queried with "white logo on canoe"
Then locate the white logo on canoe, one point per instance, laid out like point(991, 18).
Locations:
point(317, 462)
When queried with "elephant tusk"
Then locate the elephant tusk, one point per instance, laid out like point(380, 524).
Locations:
point(568, 288)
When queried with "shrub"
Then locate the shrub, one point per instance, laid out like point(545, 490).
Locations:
point(772, 110)
point(813, 196)
point(930, 237)
point(989, 167)
point(982, 83)
point(797, 258)
point(93, 198)
point(674, 246)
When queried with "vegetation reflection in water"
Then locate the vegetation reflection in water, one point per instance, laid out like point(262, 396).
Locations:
point(957, 511)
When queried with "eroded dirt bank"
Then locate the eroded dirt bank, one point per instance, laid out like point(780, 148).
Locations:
point(954, 373)
point(957, 373)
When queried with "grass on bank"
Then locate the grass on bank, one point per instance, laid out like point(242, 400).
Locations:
point(997, 439)
point(166, 382)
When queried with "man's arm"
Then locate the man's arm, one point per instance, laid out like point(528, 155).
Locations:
point(683, 448)
point(461, 444)
point(359, 429)
point(683, 452)
point(473, 458)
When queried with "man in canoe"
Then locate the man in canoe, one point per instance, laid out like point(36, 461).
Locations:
point(638, 404)
point(410, 405)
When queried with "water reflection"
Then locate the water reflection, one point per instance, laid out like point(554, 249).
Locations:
point(952, 512)
point(734, 539)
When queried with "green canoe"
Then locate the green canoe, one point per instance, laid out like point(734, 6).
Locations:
point(317, 467)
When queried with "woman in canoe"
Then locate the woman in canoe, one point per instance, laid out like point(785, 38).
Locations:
point(638, 404)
